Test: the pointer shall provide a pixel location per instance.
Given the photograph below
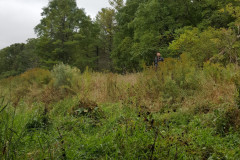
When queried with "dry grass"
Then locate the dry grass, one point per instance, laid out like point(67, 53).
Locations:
point(211, 97)
point(177, 85)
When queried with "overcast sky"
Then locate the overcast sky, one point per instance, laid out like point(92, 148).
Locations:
point(19, 17)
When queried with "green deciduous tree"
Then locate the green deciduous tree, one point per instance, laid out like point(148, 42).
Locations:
point(18, 58)
point(152, 24)
point(123, 53)
point(234, 11)
point(66, 34)
point(215, 45)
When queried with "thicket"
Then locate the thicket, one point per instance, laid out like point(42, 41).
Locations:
point(180, 111)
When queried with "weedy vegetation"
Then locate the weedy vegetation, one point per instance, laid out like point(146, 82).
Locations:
point(52, 106)
point(178, 112)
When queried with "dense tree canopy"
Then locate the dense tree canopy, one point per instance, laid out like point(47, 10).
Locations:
point(152, 25)
point(66, 34)
point(127, 35)
point(18, 58)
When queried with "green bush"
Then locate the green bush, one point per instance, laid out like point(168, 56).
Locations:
point(171, 90)
point(215, 45)
point(36, 75)
point(63, 75)
point(226, 119)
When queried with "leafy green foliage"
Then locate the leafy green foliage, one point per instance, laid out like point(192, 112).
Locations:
point(66, 34)
point(18, 58)
point(152, 25)
point(121, 57)
point(215, 45)
point(177, 112)
point(126, 36)
point(186, 108)
point(63, 75)
point(123, 134)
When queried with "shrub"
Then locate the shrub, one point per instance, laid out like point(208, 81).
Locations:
point(39, 122)
point(202, 107)
point(214, 71)
point(37, 75)
point(63, 75)
point(215, 45)
point(226, 119)
point(39, 119)
point(171, 90)
point(28, 84)
point(86, 107)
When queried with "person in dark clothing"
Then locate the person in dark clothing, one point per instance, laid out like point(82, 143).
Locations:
point(158, 59)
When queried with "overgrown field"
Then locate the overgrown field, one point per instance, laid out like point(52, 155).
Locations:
point(179, 112)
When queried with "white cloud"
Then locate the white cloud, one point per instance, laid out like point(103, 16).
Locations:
point(19, 17)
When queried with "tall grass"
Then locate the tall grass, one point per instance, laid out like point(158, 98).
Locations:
point(179, 111)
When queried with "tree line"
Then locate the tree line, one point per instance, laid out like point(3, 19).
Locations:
point(126, 36)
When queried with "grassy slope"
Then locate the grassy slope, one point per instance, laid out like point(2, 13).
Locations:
point(178, 112)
